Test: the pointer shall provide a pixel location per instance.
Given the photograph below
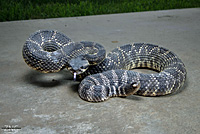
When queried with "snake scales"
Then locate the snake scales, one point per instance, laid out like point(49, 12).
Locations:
point(104, 77)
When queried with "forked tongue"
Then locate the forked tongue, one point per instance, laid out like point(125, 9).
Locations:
point(74, 76)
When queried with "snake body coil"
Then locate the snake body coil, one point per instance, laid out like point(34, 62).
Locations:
point(105, 77)
point(50, 51)
point(102, 86)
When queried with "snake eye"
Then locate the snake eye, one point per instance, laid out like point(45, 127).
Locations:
point(136, 84)
point(84, 67)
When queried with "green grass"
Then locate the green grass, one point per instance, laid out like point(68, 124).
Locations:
point(39, 9)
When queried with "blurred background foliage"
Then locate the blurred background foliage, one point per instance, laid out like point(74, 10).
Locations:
point(40, 9)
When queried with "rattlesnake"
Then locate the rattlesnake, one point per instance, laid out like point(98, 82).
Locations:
point(106, 76)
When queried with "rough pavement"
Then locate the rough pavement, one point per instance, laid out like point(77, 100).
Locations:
point(31, 102)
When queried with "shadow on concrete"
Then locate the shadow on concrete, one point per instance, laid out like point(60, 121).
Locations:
point(133, 97)
point(74, 86)
point(47, 79)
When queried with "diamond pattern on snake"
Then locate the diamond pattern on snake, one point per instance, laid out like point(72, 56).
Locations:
point(104, 76)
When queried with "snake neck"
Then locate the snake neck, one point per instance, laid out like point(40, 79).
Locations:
point(105, 65)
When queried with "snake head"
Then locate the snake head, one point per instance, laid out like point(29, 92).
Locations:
point(78, 65)
point(131, 88)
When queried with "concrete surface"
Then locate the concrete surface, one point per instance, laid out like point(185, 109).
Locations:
point(35, 103)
